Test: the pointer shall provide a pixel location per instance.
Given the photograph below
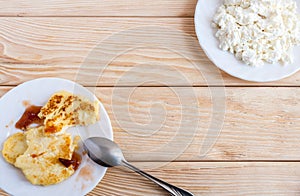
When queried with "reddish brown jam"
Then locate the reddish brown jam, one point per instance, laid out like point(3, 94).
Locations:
point(30, 116)
point(75, 161)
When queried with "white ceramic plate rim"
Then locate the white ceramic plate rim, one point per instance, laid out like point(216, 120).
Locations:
point(226, 61)
point(37, 92)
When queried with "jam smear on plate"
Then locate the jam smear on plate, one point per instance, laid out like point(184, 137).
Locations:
point(30, 116)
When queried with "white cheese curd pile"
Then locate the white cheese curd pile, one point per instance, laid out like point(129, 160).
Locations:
point(258, 31)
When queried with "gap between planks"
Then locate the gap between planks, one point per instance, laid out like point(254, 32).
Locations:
point(177, 86)
point(82, 16)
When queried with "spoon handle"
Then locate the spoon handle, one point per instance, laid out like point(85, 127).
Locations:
point(173, 190)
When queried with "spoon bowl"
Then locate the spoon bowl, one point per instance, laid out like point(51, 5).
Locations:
point(104, 151)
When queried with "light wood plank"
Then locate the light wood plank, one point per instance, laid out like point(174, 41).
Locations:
point(60, 47)
point(260, 123)
point(207, 178)
point(98, 8)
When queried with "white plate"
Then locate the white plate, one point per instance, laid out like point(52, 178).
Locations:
point(226, 61)
point(37, 92)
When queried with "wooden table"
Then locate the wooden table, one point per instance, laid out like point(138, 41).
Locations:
point(160, 99)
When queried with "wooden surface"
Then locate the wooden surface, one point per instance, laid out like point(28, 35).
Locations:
point(62, 44)
point(111, 8)
point(160, 97)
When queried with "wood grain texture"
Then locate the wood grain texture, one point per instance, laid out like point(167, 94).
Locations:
point(101, 51)
point(143, 61)
point(98, 8)
point(259, 124)
point(157, 124)
point(206, 178)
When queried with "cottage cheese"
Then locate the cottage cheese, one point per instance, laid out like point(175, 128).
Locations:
point(258, 31)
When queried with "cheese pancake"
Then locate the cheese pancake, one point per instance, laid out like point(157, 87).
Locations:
point(40, 162)
point(13, 147)
point(64, 109)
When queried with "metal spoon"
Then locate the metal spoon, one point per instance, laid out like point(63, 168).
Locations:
point(108, 154)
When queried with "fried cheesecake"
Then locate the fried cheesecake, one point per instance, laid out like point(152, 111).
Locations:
point(64, 109)
point(46, 153)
